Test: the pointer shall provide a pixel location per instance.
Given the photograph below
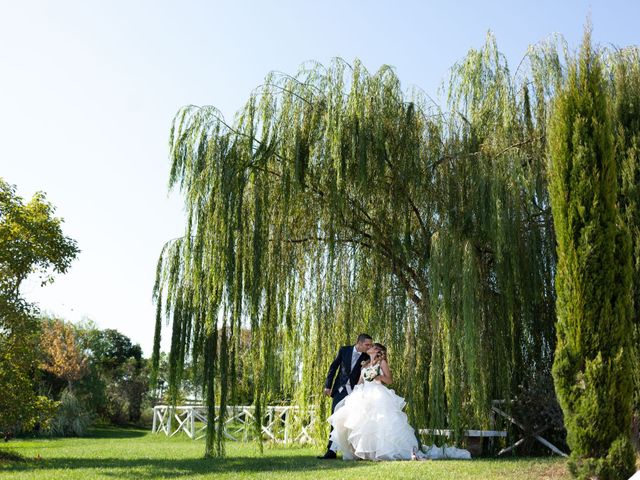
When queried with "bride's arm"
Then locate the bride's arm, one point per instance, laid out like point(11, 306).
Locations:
point(386, 376)
point(361, 379)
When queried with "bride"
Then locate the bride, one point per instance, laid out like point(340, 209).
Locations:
point(369, 423)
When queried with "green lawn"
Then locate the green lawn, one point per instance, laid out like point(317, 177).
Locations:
point(139, 454)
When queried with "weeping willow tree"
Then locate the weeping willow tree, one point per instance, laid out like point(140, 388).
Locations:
point(336, 203)
point(594, 357)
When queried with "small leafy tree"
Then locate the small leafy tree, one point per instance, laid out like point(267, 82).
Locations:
point(31, 242)
point(62, 355)
point(594, 356)
point(118, 379)
point(110, 349)
point(126, 391)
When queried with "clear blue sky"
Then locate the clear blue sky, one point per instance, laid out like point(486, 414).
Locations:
point(88, 90)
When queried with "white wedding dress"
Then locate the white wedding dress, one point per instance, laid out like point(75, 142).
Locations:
point(370, 424)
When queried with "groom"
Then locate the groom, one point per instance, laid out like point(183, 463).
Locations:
point(348, 364)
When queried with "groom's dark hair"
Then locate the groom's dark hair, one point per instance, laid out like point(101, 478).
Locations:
point(363, 336)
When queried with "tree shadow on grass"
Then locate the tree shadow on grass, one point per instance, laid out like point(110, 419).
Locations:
point(7, 456)
point(115, 432)
point(153, 468)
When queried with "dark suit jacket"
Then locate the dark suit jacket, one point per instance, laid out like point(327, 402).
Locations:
point(342, 365)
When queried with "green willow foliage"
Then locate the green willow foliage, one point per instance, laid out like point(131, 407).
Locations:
point(335, 203)
point(594, 356)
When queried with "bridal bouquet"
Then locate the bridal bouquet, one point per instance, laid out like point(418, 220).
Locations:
point(370, 374)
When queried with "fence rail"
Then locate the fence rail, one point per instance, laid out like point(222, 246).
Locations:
point(282, 424)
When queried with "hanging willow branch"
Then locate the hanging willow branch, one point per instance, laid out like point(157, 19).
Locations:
point(335, 204)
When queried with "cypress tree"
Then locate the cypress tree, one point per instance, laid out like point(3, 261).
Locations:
point(593, 359)
point(626, 94)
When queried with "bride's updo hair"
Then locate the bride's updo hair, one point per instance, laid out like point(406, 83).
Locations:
point(382, 351)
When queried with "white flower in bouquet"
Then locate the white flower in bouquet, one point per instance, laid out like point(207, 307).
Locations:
point(371, 373)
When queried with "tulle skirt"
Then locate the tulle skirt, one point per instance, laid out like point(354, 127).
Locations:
point(370, 424)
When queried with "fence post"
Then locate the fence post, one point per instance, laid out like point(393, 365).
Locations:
point(155, 413)
point(193, 422)
point(286, 424)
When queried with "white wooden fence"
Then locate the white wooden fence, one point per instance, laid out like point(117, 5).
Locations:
point(283, 424)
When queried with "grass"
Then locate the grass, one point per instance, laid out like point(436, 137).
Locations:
point(139, 454)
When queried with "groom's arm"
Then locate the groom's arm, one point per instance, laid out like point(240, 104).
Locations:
point(333, 368)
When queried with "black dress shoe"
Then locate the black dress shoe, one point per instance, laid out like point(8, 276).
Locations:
point(330, 455)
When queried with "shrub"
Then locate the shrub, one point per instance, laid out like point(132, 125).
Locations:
point(536, 408)
point(71, 419)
